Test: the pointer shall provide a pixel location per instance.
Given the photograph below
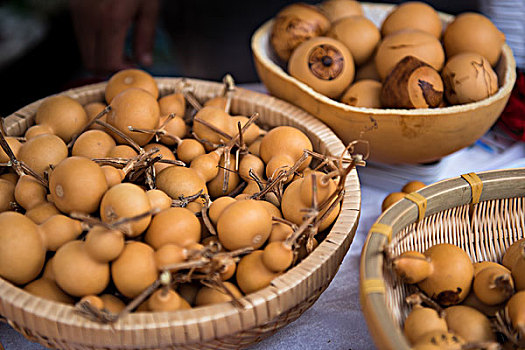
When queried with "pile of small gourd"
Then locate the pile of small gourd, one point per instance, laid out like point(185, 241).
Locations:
point(99, 201)
point(409, 62)
point(484, 302)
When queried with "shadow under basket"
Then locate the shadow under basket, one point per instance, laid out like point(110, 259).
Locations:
point(482, 213)
point(219, 326)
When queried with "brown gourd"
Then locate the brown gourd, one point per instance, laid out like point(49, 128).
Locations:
point(295, 24)
point(136, 108)
point(252, 275)
point(174, 225)
point(245, 223)
point(281, 147)
point(43, 151)
point(22, 251)
point(135, 269)
point(219, 119)
point(422, 320)
point(208, 295)
point(493, 284)
point(48, 289)
point(77, 273)
point(77, 184)
point(61, 115)
point(7, 195)
point(42, 212)
point(469, 324)
point(126, 200)
point(130, 78)
point(445, 273)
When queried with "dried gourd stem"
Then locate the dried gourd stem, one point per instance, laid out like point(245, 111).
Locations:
point(229, 90)
point(420, 298)
point(286, 222)
point(503, 283)
point(88, 125)
point(242, 144)
point(13, 162)
point(183, 201)
point(140, 298)
point(237, 252)
point(212, 127)
point(14, 206)
point(111, 161)
point(229, 145)
point(145, 167)
point(171, 161)
point(219, 284)
point(143, 131)
point(255, 177)
point(151, 176)
point(18, 166)
point(126, 138)
point(115, 225)
point(141, 157)
point(206, 219)
point(89, 220)
point(31, 172)
point(237, 190)
point(245, 127)
point(310, 218)
point(204, 141)
point(126, 220)
point(503, 324)
point(314, 191)
point(226, 174)
point(325, 160)
point(86, 309)
point(190, 97)
point(185, 265)
point(291, 240)
point(281, 176)
point(340, 185)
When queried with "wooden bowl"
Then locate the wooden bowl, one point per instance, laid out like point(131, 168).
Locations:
point(217, 326)
point(395, 135)
point(484, 229)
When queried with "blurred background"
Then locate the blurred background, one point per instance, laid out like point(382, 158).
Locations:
point(40, 53)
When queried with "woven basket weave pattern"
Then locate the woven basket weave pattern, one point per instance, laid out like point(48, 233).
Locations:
point(219, 326)
point(484, 230)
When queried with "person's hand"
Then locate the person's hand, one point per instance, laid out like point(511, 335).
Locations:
point(101, 27)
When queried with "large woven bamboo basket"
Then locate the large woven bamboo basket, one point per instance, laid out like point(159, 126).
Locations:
point(395, 135)
point(223, 325)
point(482, 213)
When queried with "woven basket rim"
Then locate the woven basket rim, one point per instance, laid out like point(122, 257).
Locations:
point(343, 229)
point(497, 184)
point(508, 79)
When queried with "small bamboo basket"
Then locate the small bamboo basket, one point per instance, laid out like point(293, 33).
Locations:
point(219, 326)
point(482, 213)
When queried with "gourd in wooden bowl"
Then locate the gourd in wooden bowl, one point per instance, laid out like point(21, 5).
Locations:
point(396, 135)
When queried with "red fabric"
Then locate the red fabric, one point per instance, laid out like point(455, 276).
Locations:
point(513, 116)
